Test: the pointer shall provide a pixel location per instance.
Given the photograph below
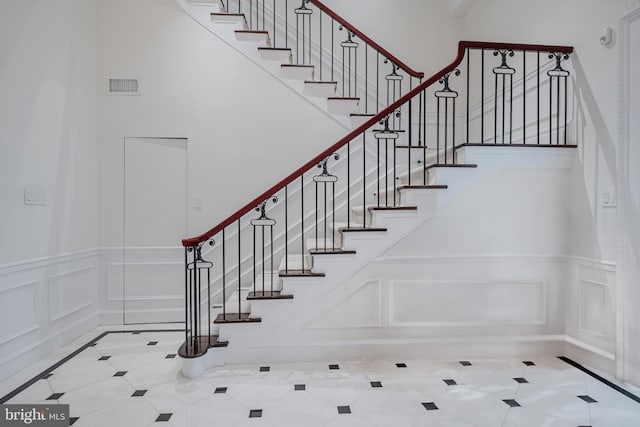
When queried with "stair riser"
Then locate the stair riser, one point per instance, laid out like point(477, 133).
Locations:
point(319, 90)
point(282, 57)
point(342, 107)
point(297, 73)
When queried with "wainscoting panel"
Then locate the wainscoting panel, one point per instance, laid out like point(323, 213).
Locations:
point(424, 303)
point(361, 309)
point(45, 303)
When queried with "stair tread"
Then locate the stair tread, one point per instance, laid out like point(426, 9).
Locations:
point(362, 229)
point(252, 32)
point(413, 147)
point(331, 251)
point(320, 82)
point(298, 66)
point(280, 49)
point(265, 295)
point(393, 208)
point(300, 273)
point(337, 98)
point(236, 318)
point(361, 115)
point(204, 342)
point(469, 144)
point(441, 165)
point(423, 187)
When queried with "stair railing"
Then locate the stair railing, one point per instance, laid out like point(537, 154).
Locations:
point(491, 94)
point(317, 36)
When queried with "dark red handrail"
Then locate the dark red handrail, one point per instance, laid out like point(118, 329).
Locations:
point(367, 40)
point(462, 46)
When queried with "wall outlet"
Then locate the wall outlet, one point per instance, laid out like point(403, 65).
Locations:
point(609, 199)
point(35, 197)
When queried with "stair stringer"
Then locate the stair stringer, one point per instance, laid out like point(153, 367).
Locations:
point(225, 32)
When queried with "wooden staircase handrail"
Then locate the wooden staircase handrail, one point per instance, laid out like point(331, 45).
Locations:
point(363, 37)
point(462, 47)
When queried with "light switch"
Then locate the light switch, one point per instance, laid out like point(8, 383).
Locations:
point(35, 197)
point(197, 203)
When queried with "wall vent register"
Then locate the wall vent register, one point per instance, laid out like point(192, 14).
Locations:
point(124, 86)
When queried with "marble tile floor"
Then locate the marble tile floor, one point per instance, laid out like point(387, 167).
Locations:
point(133, 379)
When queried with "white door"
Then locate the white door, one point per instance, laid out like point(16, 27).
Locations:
point(155, 221)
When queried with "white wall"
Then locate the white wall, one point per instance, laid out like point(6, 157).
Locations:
point(48, 262)
point(245, 130)
point(47, 127)
point(418, 32)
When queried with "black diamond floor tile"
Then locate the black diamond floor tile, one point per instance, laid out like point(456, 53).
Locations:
point(465, 363)
point(344, 409)
point(170, 356)
point(429, 406)
point(529, 363)
point(164, 417)
point(588, 399)
point(49, 375)
point(401, 365)
point(265, 368)
point(120, 374)
point(221, 390)
point(376, 384)
point(450, 382)
point(73, 420)
point(152, 343)
point(511, 402)
point(135, 333)
point(55, 396)
point(138, 393)
point(105, 358)
point(521, 380)
point(334, 367)
point(300, 387)
point(255, 413)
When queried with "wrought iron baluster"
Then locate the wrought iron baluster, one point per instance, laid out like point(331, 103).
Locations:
point(443, 96)
point(560, 75)
point(263, 222)
point(501, 72)
point(324, 178)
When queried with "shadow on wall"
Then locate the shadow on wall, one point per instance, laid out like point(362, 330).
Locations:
point(586, 101)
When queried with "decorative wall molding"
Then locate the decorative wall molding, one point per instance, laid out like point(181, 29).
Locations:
point(67, 279)
point(25, 329)
point(45, 303)
point(630, 5)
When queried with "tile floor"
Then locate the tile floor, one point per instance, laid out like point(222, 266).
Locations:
point(133, 379)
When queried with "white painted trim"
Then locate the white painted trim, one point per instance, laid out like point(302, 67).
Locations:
point(28, 329)
point(624, 121)
point(590, 348)
point(581, 327)
point(47, 260)
point(393, 283)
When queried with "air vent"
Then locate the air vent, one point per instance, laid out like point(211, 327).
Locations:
point(124, 86)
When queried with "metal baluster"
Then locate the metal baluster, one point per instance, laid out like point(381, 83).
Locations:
point(286, 229)
point(482, 98)
point(524, 96)
point(538, 101)
point(468, 53)
point(239, 273)
point(224, 277)
point(302, 220)
point(349, 184)
point(364, 179)
point(186, 300)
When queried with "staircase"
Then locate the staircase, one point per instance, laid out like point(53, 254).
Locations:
point(311, 49)
point(255, 282)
